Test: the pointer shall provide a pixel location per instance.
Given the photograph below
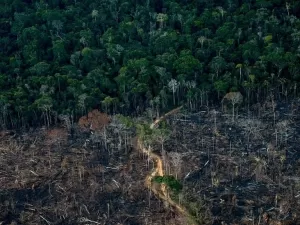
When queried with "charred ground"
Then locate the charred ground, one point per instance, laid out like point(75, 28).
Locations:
point(240, 170)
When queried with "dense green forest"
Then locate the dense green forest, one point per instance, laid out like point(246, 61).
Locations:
point(65, 57)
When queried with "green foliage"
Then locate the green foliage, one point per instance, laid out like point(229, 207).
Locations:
point(187, 63)
point(143, 129)
point(171, 182)
point(122, 59)
point(221, 86)
point(127, 121)
point(44, 103)
point(268, 38)
point(40, 68)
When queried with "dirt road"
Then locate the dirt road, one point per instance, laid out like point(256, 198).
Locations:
point(158, 170)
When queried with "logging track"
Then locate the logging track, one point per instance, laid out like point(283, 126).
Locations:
point(160, 190)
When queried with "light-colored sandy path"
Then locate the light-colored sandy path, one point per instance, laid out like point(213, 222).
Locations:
point(160, 190)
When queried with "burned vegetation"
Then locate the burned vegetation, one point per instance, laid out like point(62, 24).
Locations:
point(87, 177)
point(231, 169)
point(238, 171)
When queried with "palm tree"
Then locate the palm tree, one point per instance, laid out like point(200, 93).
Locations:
point(201, 40)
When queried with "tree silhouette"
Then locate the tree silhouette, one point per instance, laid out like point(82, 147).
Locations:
point(234, 98)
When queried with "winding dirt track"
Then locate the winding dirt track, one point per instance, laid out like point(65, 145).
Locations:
point(160, 190)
